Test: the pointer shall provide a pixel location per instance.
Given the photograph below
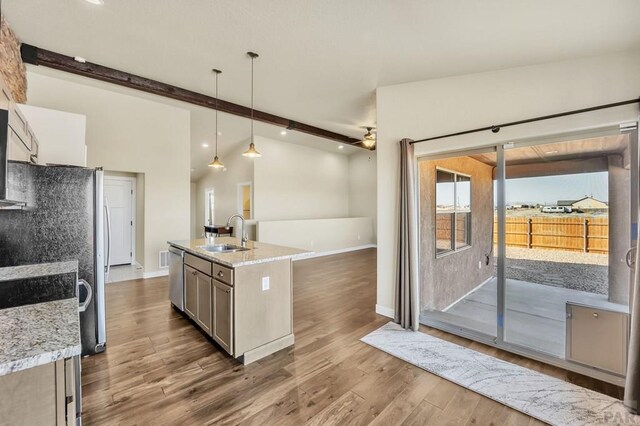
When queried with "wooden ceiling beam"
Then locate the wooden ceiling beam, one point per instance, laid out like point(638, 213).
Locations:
point(37, 56)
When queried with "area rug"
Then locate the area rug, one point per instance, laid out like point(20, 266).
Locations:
point(546, 398)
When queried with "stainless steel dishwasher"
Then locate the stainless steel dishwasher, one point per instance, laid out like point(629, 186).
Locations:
point(176, 277)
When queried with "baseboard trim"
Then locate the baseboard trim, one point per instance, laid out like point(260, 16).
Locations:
point(384, 311)
point(155, 274)
point(337, 251)
point(267, 349)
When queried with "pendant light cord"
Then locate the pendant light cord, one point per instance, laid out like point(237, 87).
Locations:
point(217, 73)
point(252, 137)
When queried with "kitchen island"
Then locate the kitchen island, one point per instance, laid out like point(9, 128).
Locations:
point(242, 297)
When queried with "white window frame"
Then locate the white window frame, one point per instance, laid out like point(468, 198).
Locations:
point(209, 213)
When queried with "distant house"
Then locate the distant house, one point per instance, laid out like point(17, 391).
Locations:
point(586, 203)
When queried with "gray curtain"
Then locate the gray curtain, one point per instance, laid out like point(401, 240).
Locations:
point(632, 386)
point(407, 304)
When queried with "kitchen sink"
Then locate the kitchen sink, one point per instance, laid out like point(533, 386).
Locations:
point(223, 248)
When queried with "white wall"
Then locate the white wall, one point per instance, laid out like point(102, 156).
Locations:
point(429, 108)
point(318, 235)
point(225, 182)
point(296, 182)
point(61, 135)
point(193, 203)
point(362, 186)
point(131, 134)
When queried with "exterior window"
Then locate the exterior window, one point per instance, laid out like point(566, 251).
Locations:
point(453, 211)
point(209, 207)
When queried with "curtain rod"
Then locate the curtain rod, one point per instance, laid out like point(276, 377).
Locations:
point(496, 128)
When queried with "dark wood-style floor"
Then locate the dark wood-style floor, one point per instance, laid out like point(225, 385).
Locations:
point(158, 369)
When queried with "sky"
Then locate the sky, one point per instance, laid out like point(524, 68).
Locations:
point(549, 189)
point(545, 190)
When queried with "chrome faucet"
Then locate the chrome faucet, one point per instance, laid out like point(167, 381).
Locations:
point(243, 237)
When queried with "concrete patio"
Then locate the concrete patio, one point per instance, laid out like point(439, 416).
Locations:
point(535, 313)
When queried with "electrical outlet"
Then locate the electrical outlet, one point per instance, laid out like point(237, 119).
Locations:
point(265, 283)
point(358, 237)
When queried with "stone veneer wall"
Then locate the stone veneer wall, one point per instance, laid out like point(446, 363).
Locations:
point(13, 70)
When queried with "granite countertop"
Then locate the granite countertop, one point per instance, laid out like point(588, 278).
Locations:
point(34, 335)
point(258, 253)
point(11, 273)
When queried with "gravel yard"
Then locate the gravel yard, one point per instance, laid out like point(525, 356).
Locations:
point(573, 270)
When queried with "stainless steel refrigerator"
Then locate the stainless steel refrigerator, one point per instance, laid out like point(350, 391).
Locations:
point(64, 219)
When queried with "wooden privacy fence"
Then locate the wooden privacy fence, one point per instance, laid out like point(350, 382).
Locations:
point(586, 234)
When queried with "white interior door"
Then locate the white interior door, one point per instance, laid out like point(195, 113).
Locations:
point(119, 199)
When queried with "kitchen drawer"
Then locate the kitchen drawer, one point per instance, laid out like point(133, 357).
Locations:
point(597, 337)
point(222, 273)
point(200, 264)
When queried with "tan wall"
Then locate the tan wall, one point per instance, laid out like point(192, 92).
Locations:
point(446, 105)
point(294, 182)
point(130, 134)
point(238, 169)
point(362, 186)
point(447, 278)
point(12, 68)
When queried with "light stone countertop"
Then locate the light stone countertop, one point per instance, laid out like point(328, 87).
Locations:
point(258, 253)
point(11, 273)
point(33, 335)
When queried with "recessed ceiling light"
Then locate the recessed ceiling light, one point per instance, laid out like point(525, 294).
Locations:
point(79, 59)
point(284, 132)
point(219, 133)
point(341, 147)
point(205, 145)
point(97, 2)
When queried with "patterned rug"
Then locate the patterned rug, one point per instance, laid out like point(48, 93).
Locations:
point(546, 398)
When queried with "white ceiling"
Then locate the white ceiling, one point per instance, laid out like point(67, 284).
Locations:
point(320, 61)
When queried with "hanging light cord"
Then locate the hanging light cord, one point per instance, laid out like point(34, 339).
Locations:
point(217, 73)
point(252, 58)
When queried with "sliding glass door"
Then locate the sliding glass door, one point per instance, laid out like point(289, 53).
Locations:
point(567, 225)
point(512, 236)
point(456, 244)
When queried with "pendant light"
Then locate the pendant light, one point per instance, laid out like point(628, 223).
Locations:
point(216, 163)
point(369, 140)
point(252, 152)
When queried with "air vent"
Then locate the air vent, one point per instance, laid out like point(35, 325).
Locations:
point(164, 259)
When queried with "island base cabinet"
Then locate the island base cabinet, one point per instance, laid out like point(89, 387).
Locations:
point(263, 305)
point(222, 328)
point(204, 302)
point(197, 296)
point(43, 395)
point(190, 291)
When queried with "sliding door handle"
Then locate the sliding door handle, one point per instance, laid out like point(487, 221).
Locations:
point(630, 258)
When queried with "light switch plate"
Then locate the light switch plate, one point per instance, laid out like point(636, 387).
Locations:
point(265, 283)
